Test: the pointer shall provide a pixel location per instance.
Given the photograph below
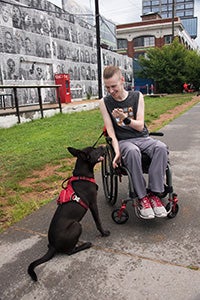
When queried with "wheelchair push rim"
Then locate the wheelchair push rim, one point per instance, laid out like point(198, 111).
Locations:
point(109, 178)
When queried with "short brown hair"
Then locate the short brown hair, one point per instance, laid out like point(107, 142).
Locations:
point(109, 71)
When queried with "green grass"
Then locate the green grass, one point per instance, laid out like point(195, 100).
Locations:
point(31, 146)
point(154, 107)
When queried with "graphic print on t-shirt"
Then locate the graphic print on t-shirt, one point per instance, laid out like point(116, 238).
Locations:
point(129, 114)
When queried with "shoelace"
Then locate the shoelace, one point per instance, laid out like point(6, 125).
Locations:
point(155, 201)
point(145, 203)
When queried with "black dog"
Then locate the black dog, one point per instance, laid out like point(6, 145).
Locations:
point(65, 229)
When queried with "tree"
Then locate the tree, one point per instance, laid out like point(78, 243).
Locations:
point(193, 68)
point(170, 66)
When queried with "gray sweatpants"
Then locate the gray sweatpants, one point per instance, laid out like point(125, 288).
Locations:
point(131, 155)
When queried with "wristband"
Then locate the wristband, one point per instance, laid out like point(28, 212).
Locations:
point(127, 121)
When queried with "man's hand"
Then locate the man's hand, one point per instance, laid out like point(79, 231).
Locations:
point(116, 161)
point(118, 113)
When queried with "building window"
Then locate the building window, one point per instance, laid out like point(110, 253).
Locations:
point(189, 13)
point(122, 44)
point(179, 6)
point(189, 5)
point(144, 41)
point(149, 41)
point(168, 39)
point(155, 2)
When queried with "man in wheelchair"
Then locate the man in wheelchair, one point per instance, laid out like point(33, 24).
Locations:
point(123, 115)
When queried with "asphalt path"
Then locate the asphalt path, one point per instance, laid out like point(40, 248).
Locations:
point(140, 260)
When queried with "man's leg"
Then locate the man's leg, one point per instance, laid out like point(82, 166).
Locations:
point(131, 156)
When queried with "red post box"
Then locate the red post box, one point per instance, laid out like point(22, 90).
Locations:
point(64, 89)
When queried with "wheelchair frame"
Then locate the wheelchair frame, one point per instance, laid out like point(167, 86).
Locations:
point(111, 177)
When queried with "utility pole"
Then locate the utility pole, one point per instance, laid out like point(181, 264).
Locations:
point(173, 19)
point(98, 49)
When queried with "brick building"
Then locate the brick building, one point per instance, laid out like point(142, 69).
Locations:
point(136, 38)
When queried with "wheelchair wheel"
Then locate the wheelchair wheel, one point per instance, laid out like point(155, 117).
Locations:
point(172, 214)
point(120, 216)
point(109, 178)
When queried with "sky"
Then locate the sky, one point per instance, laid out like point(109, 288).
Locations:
point(125, 11)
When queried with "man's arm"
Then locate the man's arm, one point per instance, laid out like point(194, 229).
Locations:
point(138, 123)
point(109, 127)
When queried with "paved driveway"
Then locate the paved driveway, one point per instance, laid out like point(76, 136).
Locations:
point(141, 260)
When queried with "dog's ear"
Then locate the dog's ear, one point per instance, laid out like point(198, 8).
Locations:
point(78, 153)
point(73, 151)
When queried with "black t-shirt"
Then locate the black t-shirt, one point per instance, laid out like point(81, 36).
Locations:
point(130, 107)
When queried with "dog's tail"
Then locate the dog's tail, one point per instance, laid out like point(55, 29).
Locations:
point(49, 255)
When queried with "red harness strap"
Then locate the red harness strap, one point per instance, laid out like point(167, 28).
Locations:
point(68, 194)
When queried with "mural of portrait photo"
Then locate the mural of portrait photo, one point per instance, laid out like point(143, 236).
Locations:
point(54, 49)
point(60, 32)
point(77, 74)
point(60, 69)
point(58, 13)
point(36, 4)
point(75, 54)
point(87, 56)
point(74, 37)
point(66, 34)
point(71, 74)
point(82, 56)
point(79, 91)
point(61, 53)
point(83, 73)
point(9, 46)
point(36, 27)
point(45, 26)
point(19, 42)
point(39, 73)
point(50, 96)
point(11, 69)
point(93, 58)
point(28, 46)
point(93, 75)
point(47, 50)
point(27, 22)
point(23, 94)
point(50, 8)
point(32, 95)
point(17, 17)
point(5, 15)
point(39, 49)
point(85, 40)
point(48, 72)
point(52, 28)
point(90, 40)
point(88, 73)
point(71, 18)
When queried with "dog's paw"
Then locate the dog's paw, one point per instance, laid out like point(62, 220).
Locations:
point(105, 233)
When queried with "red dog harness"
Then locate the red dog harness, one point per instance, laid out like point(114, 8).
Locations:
point(68, 194)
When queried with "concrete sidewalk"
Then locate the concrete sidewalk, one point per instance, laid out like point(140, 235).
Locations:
point(140, 260)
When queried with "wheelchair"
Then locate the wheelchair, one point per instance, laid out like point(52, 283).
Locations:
point(112, 177)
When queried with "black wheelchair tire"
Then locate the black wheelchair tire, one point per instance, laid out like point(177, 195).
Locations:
point(172, 214)
point(109, 178)
point(122, 219)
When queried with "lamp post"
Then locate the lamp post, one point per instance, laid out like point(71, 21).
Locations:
point(98, 49)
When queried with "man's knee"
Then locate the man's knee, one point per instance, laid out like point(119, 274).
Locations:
point(162, 148)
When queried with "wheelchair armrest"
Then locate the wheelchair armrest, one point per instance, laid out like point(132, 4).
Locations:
point(156, 133)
